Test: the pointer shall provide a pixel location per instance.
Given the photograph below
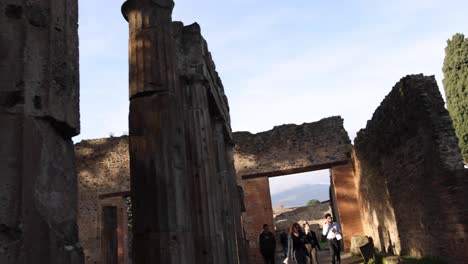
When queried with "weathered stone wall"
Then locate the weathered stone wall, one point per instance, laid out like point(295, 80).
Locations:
point(39, 88)
point(410, 175)
point(283, 150)
point(291, 149)
point(103, 168)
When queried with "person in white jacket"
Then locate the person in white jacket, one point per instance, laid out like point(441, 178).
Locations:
point(332, 231)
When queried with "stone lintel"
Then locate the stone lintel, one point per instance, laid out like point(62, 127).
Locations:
point(295, 170)
point(292, 148)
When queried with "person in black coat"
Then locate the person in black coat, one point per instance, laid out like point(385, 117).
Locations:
point(284, 242)
point(311, 243)
point(267, 243)
point(296, 245)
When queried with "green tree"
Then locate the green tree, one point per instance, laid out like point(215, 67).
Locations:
point(456, 87)
point(313, 201)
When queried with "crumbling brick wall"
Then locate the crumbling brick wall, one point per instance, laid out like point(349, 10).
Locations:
point(410, 176)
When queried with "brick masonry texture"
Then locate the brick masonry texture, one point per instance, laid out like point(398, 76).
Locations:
point(345, 200)
point(410, 176)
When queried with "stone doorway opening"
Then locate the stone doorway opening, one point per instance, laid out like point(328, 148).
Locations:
point(291, 149)
point(114, 228)
point(302, 197)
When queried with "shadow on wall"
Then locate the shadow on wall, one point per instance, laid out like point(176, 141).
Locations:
point(384, 235)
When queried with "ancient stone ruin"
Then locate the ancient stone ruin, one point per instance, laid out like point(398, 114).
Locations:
point(182, 188)
point(410, 176)
point(104, 174)
point(291, 149)
point(39, 115)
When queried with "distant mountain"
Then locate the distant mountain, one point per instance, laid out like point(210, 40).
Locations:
point(299, 196)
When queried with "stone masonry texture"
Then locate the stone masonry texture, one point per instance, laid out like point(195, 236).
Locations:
point(103, 168)
point(38, 115)
point(290, 149)
point(409, 174)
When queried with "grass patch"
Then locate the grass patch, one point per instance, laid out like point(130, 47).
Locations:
point(323, 244)
point(379, 259)
point(428, 260)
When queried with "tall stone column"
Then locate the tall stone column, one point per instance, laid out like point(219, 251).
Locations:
point(159, 180)
point(39, 93)
point(201, 152)
point(202, 173)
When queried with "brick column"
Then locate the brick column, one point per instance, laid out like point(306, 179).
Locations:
point(39, 91)
point(159, 180)
point(347, 202)
point(258, 212)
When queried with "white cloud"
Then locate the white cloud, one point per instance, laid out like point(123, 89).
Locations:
point(287, 182)
point(281, 62)
point(288, 199)
point(348, 79)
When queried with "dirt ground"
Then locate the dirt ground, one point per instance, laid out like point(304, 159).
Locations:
point(325, 258)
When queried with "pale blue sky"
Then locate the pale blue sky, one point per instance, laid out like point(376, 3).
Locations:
point(280, 61)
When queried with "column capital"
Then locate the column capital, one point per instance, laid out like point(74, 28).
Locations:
point(132, 5)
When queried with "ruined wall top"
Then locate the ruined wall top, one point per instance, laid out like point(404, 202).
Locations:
point(285, 148)
point(292, 148)
point(414, 105)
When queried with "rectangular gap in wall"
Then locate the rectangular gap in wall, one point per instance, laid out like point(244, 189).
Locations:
point(109, 237)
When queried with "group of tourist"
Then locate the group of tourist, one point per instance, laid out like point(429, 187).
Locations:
point(300, 246)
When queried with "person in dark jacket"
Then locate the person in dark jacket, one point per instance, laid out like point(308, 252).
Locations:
point(311, 243)
point(267, 244)
point(284, 242)
point(296, 245)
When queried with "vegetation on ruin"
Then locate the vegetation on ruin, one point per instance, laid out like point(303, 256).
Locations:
point(128, 201)
point(379, 259)
point(456, 87)
point(313, 201)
